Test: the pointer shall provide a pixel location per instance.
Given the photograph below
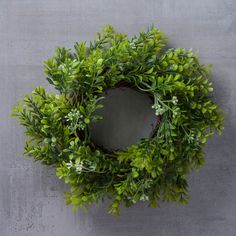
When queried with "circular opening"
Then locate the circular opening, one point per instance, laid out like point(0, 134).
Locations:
point(127, 118)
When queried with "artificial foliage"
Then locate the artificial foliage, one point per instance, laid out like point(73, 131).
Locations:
point(58, 126)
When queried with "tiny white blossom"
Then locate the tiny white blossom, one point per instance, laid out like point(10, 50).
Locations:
point(174, 100)
point(79, 167)
point(192, 137)
point(144, 197)
point(61, 67)
point(69, 164)
point(75, 119)
point(159, 110)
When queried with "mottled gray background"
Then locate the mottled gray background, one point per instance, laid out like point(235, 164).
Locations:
point(31, 202)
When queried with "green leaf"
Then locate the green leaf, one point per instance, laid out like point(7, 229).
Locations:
point(100, 61)
point(203, 140)
point(54, 139)
point(164, 152)
point(153, 174)
point(150, 71)
point(86, 120)
point(135, 174)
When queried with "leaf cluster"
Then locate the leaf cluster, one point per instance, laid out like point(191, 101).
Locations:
point(156, 169)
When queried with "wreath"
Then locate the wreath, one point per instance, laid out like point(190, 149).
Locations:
point(153, 170)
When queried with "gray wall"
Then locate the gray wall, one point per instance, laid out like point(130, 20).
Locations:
point(31, 201)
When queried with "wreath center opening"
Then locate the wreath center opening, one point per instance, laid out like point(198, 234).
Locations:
point(127, 118)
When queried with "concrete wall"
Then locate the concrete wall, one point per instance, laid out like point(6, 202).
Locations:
point(31, 202)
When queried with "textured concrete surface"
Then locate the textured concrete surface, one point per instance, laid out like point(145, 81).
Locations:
point(127, 117)
point(31, 202)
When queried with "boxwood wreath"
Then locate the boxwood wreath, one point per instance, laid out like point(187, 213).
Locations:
point(155, 169)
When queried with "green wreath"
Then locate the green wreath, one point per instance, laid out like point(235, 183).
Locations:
point(155, 169)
